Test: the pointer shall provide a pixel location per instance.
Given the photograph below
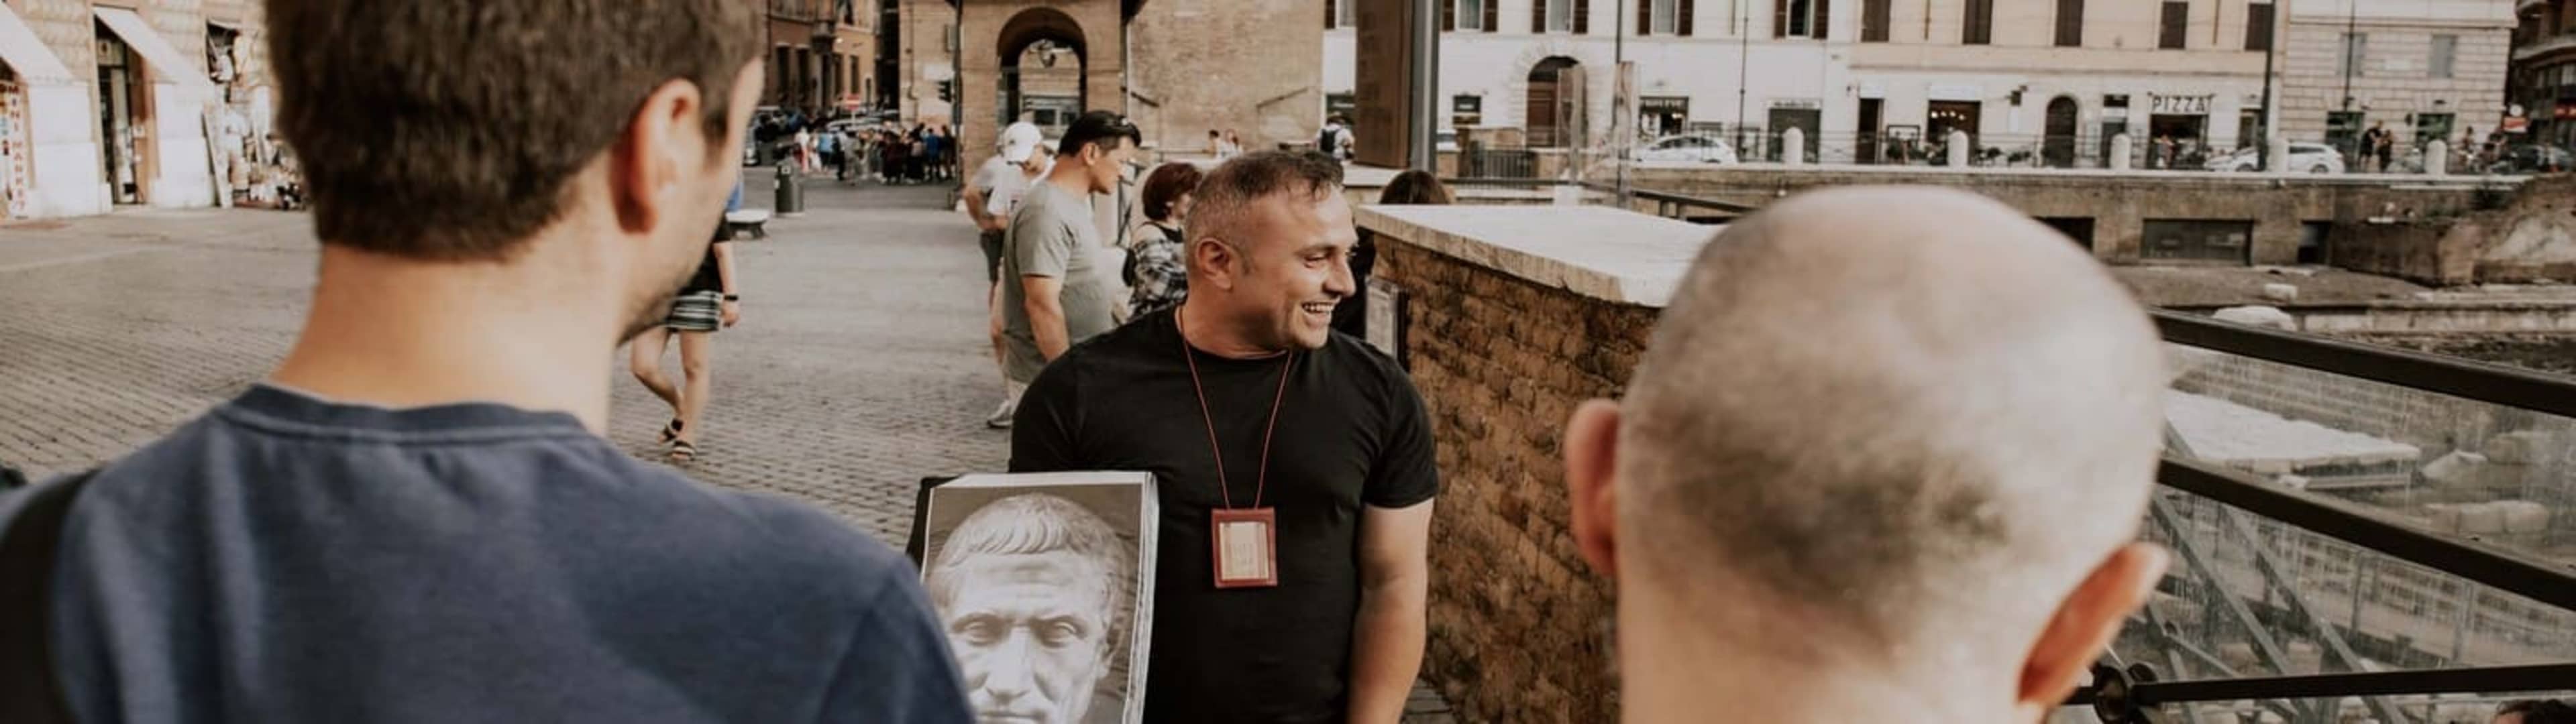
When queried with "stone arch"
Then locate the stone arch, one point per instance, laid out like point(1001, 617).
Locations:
point(1510, 108)
point(1054, 35)
point(1543, 92)
point(1092, 30)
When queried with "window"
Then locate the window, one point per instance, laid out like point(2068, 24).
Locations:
point(2430, 127)
point(2356, 47)
point(2258, 26)
point(1664, 16)
point(2170, 29)
point(2070, 23)
point(1803, 18)
point(2445, 49)
point(1467, 15)
point(1560, 15)
point(1466, 111)
point(1341, 13)
point(1873, 21)
point(1980, 26)
point(948, 38)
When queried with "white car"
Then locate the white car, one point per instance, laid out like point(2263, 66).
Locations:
point(2304, 156)
point(1685, 149)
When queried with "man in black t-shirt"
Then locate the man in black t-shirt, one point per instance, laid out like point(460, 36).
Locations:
point(1308, 451)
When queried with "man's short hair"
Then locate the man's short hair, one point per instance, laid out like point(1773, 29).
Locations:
point(1922, 423)
point(2540, 711)
point(1098, 128)
point(448, 129)
point(1035, 523)
point(1226, 198)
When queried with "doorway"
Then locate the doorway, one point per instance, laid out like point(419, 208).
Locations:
point(125, 120)
point(1869, 122)
point(1043, 70)
point(1946, 116)
point(1548, 97)
point(1808, 121)
point(2176, 139)
point(2057, 144)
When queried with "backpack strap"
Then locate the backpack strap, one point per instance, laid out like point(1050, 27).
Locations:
point(29, 691)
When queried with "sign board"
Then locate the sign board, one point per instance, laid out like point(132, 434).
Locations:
point(1955, 93)
point(1385, 319)
point(1384, 83)
point(1802, 104)
point(2179, 105)
point(2519, 124)
point(1873, 90)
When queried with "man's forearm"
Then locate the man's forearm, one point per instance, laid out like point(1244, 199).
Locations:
point(1386, 649)
point(1046, 323)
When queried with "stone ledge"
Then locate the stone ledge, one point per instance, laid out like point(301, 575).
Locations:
point(1602, 253)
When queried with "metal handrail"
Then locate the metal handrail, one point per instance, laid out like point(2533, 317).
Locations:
point(2131, 695)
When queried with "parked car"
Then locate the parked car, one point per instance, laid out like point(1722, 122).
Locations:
point(2304, 156)
point(1685, 149)
point(2535, 158)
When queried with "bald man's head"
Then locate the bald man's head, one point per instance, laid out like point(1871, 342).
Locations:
point(1889, 417)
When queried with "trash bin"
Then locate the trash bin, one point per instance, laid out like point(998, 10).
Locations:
point(791, 194)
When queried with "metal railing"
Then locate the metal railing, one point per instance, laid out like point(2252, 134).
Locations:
point(2124, 691)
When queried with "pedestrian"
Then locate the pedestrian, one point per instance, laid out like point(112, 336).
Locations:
point(415, 516)
point(896, 150)
point(1052, 296)
point(1413, 187)
point(2535, 711)
point(1244, 381)
point(804, 150)
point(1155, 274)
point(990, 197)
point(1329, 142)
point(711, 300)
point(830, 146)
point(931, 143)
point(1216, 145)
point(2376, 147)
point(1233, 144)
point(1772, 462)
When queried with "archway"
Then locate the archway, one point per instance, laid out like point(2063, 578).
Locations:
point(2057, 145)
point(1554, 103)
point(1044, 67)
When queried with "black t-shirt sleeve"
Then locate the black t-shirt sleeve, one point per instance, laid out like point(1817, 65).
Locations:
point(1406, 471)
point(1042, 431)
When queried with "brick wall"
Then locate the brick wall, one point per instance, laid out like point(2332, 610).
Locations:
point(1227, 64)
point(1518, 623)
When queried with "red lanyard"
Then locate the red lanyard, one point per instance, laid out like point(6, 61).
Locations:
point(1224, 491)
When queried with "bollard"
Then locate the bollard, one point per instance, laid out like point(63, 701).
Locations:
point(2120, 152)
point(2278, 155)
point(1959, 148)
point(791, 195)
point(2437, 158)
point(1793, 147)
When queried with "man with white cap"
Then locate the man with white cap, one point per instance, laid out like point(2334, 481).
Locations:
point(991, 196)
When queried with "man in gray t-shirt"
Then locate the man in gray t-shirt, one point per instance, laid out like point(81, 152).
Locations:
point(1053, 295)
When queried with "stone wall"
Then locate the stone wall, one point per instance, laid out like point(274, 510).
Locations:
point(1519, 625)
point(1251, 67)
point(2532, 238)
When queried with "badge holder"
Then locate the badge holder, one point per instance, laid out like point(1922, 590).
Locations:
point(1245, 541)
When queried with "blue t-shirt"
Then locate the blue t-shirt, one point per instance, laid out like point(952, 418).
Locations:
point(288, 559)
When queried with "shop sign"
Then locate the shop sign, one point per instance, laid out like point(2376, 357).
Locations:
point(1803, 104)
point(1955, 93)
point(2179, 105)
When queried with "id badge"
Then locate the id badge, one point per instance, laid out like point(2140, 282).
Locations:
point(1245, 552)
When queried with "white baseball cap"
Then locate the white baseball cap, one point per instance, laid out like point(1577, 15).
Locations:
point(1018, 140)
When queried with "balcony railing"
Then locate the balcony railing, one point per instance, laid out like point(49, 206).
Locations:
point(2401, 617)
point(2559, 43)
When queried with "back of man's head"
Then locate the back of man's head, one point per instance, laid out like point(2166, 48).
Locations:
point(449, 129)
point(1878, 431)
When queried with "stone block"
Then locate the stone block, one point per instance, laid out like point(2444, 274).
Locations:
point(2281, 292)
point(2521, 447)
point(2523, 516)
point(2455, 470)
point(2262, 316)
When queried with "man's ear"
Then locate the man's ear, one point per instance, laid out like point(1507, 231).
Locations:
point(645, 167)
point(1591, 448)
point(2086, 621)
point(1214, 262)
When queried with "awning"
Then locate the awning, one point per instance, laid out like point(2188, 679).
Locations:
point(165, 62)
point(27, 54)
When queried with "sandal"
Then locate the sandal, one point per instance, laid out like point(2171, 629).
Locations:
point(682, 452)
point(671, 431)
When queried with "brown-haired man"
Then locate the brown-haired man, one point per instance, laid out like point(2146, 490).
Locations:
point(414, 519)
point(1294, 465)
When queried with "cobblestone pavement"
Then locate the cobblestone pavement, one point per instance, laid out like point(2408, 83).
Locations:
point(860, 367)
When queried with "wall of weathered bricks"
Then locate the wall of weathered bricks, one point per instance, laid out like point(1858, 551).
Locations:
point(1519, 625)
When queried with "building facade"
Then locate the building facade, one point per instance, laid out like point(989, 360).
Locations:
point(822, 55)
point(159, 103)
point(1546, 71)
point(2055, 82)
point(2544, 72)
point(2425, 69)
point(925, 59)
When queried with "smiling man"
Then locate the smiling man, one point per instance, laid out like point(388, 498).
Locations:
point(1034, 592)
point(1294, 465)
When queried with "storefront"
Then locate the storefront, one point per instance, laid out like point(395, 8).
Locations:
point(152, 103)
point(2177, 130)
point(1660, 116)
point(48, 163)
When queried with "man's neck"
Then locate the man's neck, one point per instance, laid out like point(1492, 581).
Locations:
point(397, 333)
point(1207, 330)
point(1688, 664)
point(1070, 178)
